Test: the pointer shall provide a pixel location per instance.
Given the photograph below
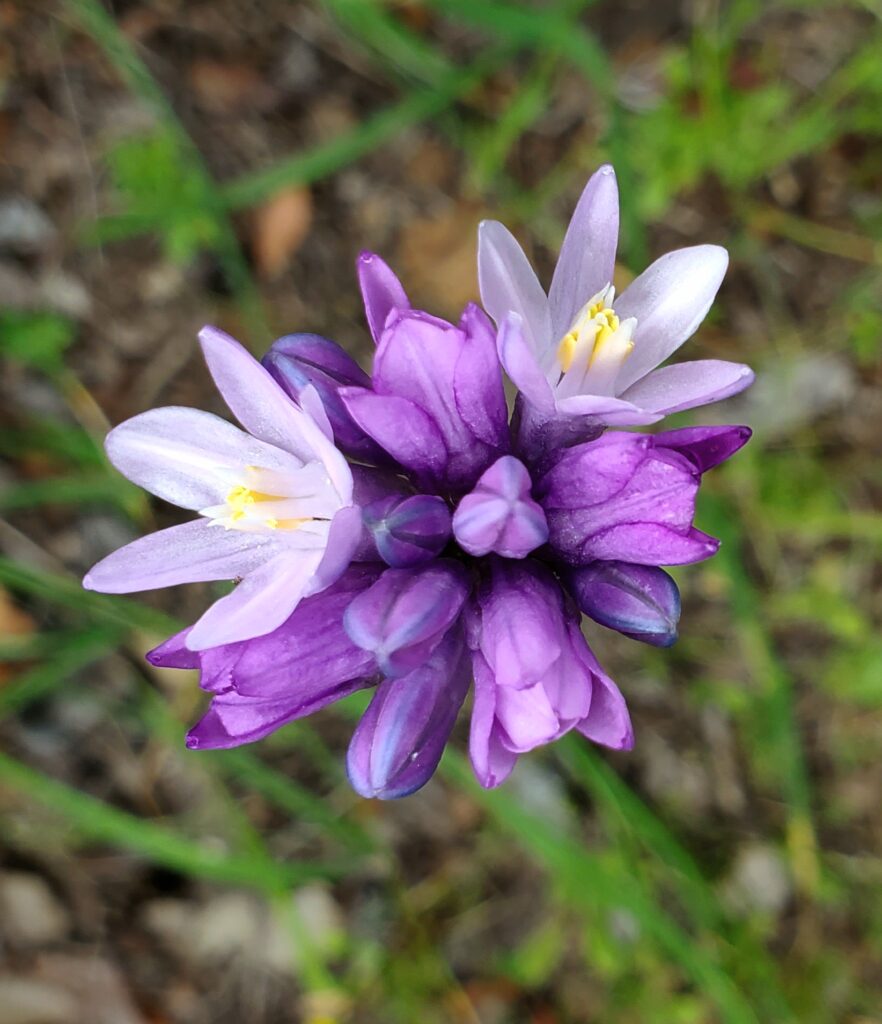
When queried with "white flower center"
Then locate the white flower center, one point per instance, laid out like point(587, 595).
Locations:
point(591, 353)
point(266, 499)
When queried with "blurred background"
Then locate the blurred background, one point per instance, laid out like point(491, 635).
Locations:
point(166, 163)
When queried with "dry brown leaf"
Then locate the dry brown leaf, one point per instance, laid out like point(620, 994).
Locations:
point(437, 257)
point(13, 622)
point(227, 87)
point(280, 228)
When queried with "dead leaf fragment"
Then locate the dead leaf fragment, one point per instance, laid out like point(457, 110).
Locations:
point(280, 228)
point(229, 87)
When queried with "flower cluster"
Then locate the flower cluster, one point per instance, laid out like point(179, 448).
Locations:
point(400, 531)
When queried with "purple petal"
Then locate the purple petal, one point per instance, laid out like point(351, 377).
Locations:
point(408, 531)
point(641, 601)
point(500, 514)
point(188, 457)
point(403, 429)
point(405, 614)
point(669, 299)
point(265, 411)
point(399, 741)
point(232, 719)
point(522, 365)
point(588, 254)
point(608, 721)
point(509, 284)
point(704, 447)
point(174, 653)
point(649, 544)
point(687, 385)
point(520, 629)
point(194, 552)
point(477, 381)
point(381, 290)
point(593, 473)
point(492, 763)
point(260, 603)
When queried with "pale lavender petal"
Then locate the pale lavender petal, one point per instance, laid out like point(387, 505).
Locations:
point(608, 721)
point(509, 285)
point(191, 553)
point(611, 412)
point(344, 537)
point(522, 365)
point(265, 411)
point(588, 254)
point(381, 291)
point(403, 429)
point(704, 447)
point(189, 457)
point(491, 762)
point(669, 299)
point(687, 385)
point(260, 603)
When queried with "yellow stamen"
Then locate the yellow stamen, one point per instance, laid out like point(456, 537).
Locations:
point(566, 351)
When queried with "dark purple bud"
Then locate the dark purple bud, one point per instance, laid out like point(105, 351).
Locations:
point(408, 531)
point(704, 447)
point(398, 743)
point(500, 515)
point(641, 601)
point(298, 360)
point(403, 617)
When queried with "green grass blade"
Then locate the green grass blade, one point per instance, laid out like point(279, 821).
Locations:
point(95, 820)
point(79, 650)
point(591, 884)
point(68, 592)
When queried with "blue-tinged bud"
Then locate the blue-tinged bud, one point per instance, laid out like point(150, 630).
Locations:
point(408, 531)
point(398, 743)
point(297, 360)
point(403, 617)
point(641, 601)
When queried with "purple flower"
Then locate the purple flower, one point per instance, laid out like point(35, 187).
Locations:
point(535, 676)
point(311, 368)
point(499, 515)
point(583, 358)
point(261, 684)
point(437, 406)
point(398, 743)
point(439, 556)
point(275, 503)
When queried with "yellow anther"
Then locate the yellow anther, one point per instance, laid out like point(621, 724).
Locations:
point(271, 523)
point(566, 351)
